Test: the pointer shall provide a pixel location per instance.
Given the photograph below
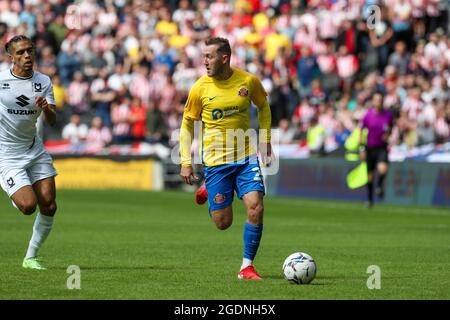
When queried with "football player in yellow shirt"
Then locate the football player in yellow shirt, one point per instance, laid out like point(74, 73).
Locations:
point(221, 100)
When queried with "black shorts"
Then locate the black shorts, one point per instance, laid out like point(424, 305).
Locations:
point(376, 155)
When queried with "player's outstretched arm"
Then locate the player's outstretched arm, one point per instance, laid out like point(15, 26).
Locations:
point(47, 109)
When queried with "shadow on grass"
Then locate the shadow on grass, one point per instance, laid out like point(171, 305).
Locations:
point(313, 283)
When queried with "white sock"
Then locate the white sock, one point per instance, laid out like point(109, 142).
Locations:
point(246, 262)
point(41, 228)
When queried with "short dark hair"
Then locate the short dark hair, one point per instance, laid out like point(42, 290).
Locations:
point(222, 43)
point(15, 39)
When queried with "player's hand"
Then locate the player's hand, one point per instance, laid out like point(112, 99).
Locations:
point(265, 149)
point(187, 173)
point(41, 102)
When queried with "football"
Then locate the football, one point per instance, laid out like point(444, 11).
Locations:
point(299, 268)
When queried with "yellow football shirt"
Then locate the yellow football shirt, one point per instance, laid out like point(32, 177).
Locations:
point(273, 42)
point(223, 106)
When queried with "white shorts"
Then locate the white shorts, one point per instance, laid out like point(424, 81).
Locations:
point(23, 167)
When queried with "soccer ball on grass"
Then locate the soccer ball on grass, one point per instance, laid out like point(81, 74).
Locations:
point(299, 268)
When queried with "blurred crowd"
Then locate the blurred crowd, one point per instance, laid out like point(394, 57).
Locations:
point(122, 69)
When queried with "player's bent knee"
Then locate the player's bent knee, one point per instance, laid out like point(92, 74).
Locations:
point(49, 209)
point(27, 208)
point(223, 225)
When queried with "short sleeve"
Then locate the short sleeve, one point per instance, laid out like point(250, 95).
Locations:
point(49, 95)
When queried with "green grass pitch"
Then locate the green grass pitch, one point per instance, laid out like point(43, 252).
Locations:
point(161, 245)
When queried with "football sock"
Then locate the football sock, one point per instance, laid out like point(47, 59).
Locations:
point(252, 237)
point(246, 262)
point(41, 228)
point(370, 191)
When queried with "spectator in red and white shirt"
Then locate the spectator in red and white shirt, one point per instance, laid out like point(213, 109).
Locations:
point(140, 85)
point(347, 66)
point(98, 136)
point(413, 104)
point(78, 94)
point(120, 116)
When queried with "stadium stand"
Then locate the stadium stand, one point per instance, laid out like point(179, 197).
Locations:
point(125, 67)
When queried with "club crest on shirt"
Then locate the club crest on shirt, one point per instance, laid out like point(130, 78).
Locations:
point(219, 198)
point(37, 87)
point(243, 92)
point(10, 182)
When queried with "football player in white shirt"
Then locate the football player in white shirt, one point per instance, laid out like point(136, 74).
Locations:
point(26, 169)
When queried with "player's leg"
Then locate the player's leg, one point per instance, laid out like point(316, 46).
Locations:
point(45, 190)
point(250, 188)
point(201, 195)
point(253, 229)
point(382, 169)
point(17, 185)
point(46, 194)
point(19, 188)
point(25, 200)
point(42, 175)
point(371, 164)
point(219, 183)
point(222, 218)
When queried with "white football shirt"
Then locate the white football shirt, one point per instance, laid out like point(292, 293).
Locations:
point(18, 112)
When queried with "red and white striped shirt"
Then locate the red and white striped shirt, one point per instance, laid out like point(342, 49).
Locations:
point(347, 65)
point(76, 95)
point(120, 115)
point(140, 87)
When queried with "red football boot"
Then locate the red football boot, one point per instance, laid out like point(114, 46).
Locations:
point(201, 195)
point(249, 273)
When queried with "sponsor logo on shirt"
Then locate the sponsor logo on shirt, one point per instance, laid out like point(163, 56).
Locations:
point(22, 112)
point(22, 101)
point(227, 111)
point(217, 114)
point(5, 86)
